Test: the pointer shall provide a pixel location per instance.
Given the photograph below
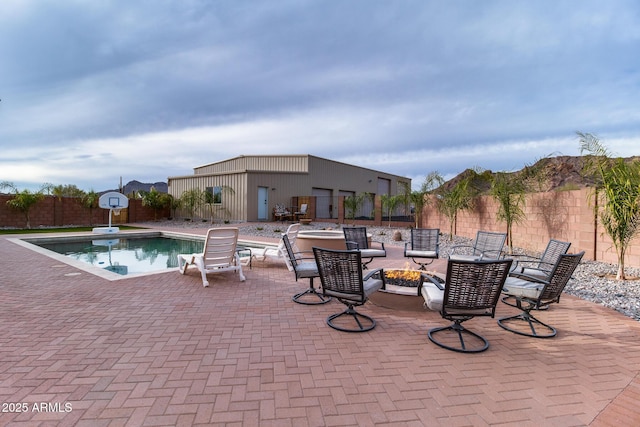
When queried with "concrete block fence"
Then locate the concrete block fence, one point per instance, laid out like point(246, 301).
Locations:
point(53, 212)
point(562, 215)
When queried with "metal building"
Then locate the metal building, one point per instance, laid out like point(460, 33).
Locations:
point(247, 188)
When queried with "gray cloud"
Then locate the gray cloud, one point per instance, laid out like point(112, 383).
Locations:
point(92, 91)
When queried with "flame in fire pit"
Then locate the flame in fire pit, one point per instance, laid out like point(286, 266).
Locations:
point(406, 275)
point(403, 274)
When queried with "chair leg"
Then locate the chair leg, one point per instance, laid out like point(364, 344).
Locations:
point(300, 297)
point(461, 331)
point(509, 323)
point(364, 322)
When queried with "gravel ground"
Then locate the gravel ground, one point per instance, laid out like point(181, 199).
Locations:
point(591, 280)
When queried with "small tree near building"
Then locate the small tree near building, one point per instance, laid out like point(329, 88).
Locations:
point(173, 203)
point(389, 204)
point(191, 200)
point(352, 204)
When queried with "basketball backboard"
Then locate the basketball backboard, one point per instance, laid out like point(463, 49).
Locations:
point(113, 200)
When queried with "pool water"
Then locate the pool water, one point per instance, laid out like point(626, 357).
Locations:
point(126, 256)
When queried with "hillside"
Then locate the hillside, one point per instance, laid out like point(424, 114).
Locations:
point(135, 186)
point(561, 172)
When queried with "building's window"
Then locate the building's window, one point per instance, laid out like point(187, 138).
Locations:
point(214, 195)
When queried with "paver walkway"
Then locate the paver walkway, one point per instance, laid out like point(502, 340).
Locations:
point(161, 350)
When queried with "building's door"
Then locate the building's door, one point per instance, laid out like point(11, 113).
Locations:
point(324, 202)
point(263, 203)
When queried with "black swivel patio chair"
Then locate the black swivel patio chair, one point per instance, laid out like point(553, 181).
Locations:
point(535, 293)
point(304, 268)
point(526, 266)
point(487, 245)
point(356, 239)
point(424, 246)
point(471, 289)
point(341, 277)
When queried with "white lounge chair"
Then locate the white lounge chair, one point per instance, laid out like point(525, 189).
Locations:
point(219, 254)
point(302, 213)
point(280, 252)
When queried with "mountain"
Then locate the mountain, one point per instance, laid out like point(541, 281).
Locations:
point(135, 186)
point(561, 172)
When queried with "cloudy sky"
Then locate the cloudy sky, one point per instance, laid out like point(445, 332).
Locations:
point(96, 90)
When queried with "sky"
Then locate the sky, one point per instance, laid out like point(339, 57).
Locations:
point(95, 91)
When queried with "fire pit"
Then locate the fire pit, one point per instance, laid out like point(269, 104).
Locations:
point(405, 278)
point(402, 290)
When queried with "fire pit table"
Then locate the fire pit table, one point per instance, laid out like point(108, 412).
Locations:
point(402, 289)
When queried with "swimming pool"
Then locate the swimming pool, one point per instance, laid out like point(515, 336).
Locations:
point(123, 255)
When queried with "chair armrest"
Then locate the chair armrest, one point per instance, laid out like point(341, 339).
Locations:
point(309, 256)
point(372, 273)
point(529, 278)
point(351, 245)
point(434, 281)
point(535, 269)
point(379, 243)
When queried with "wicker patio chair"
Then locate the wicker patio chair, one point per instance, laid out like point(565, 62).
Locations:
point(424, 246)
point(525, 266)
point(356, 238)
point(533, 293)
point(304, 268)
point(341, 277)
point(471, 289)
point(487, 245)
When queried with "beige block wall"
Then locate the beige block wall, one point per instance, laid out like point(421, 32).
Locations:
point(565, 215)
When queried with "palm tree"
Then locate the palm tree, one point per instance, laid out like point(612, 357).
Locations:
point(174, 203)
point(389, 204)
point(90, 201)
point(214, 196)
point(352, 204)
point(617, 195)
point(419, 198)
point(458, 198)
point(191, 200)
point(153, 199)
point(509, 191)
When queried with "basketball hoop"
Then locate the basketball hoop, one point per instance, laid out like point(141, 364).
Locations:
point(113, 201)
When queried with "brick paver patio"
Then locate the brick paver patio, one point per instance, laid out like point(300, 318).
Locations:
point(161, 350)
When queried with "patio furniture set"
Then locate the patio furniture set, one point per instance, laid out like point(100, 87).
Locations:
point(283, 213)
point(478, 276)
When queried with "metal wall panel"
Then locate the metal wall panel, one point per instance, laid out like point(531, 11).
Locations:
point(343, 177)
point(234, 203)
point(286, 163)
point(286, 176)
point(282, 188)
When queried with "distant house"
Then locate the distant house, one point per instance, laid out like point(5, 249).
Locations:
point(248, 188)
